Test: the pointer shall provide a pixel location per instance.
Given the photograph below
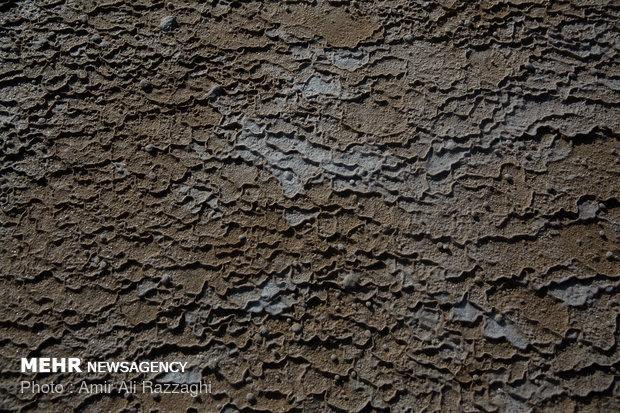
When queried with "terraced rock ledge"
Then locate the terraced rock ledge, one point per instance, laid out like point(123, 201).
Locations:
point(346, 206)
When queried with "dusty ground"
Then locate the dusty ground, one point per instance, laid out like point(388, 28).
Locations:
point(329, 206)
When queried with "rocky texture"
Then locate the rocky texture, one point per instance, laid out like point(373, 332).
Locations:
point(329, 206)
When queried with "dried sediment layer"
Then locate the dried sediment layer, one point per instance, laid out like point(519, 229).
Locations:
point(344, 206)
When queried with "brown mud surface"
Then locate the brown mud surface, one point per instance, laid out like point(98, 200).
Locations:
point(320, 206)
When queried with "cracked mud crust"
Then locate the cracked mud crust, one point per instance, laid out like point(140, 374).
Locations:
point(320, 206)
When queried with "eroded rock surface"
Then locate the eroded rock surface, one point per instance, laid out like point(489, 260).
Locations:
point(320, 206)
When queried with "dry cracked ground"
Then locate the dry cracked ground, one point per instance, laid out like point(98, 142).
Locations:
point(320, 206)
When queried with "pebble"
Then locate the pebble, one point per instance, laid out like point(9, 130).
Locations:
point(250, 397)
point(84, 19)
point(337, 377)
point(609, 255)
point(340, 247)
point(333, 358)
point(296, 328)
point(408, 38)
point(350, 281)
point(103, 265)
point(508, 177)
point(145, 84)
point(96, 38)
point(264, 331)
point(498, 318)
point(166, 280)
point(156, 396)
point(149, 148)
point(368, 304)
point(602, 233)
point(168, 24)
point(486, 205)
point(476, 377)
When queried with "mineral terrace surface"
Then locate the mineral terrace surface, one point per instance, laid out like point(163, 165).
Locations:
point(320, 206)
